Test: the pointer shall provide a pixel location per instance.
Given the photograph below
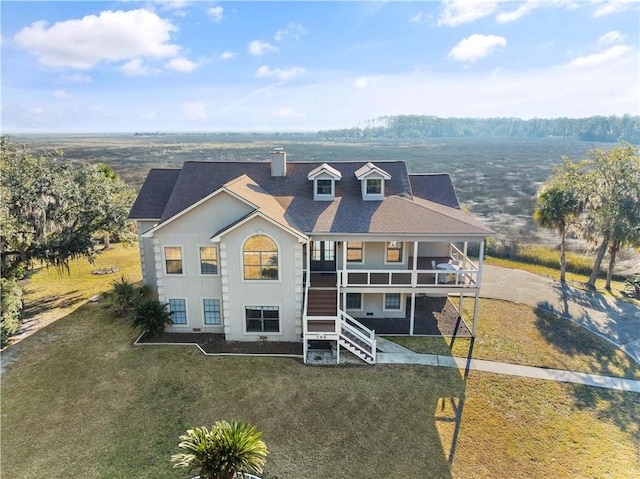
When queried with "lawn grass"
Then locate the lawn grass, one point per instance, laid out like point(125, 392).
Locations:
point(519, 334)
point(80, 401)
point(50, 293)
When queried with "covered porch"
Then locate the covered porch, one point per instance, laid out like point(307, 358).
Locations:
point(434, 316)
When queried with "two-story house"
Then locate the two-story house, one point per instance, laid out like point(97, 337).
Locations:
point(302, 251)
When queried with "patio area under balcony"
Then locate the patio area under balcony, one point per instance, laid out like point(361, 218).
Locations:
point(434, 316)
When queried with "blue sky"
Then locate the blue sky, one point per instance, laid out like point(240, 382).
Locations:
point(128, 66)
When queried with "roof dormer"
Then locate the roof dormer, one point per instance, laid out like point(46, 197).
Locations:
point(324, 182)
point(372, 180)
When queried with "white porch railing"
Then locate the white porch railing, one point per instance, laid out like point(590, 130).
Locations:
point(436, 278)
point(356, 337)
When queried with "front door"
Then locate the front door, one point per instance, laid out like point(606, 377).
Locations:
point(323, 256)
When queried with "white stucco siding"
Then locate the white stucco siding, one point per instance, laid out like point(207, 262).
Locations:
point(147, 262)
point(209, 217)
point(375, 255)
point(190, 232)
point(285, 293)
point(433, 249)
point(373, 307)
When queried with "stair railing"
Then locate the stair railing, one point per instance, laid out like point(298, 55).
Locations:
point(360, 332)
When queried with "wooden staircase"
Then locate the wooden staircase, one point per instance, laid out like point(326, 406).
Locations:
point(325, 321)
point(357, 338)
point(323, 302)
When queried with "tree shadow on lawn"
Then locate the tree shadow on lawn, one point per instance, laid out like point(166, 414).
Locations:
point(622, 408)
point(579, 337)
point(49, 303)
point(619, 407)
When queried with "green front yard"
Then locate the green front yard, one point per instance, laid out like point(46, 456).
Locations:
point(80, 401)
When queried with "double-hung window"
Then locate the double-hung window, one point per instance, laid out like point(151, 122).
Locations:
point(262, 319)
point(355, 251)
point(211, 311)
point(173, 259)
point(394, 252)
point(374, 186)
point(324, 187)
point(178, 310)
point(392, 301)
point(354, 301)
point(208, 260)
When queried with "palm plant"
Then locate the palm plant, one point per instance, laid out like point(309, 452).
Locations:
point(124, 296)
point(558, 205)
point(150, 315)
point(223, 452)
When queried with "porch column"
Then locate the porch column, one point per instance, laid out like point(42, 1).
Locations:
point(475, 312)
point(414, 273)
point(480, 260)
point(413, 312)
point(343, 278)
point(464, 251)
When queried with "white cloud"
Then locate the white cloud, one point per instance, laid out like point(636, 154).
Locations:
point(607, 7)
point(110, 36)
point(459, 12)
point(195, 111)
point(217, 13)
point(598, 59)
point(280, 73)
point(257, 48)
point(361, 82)
point(78, 78)
point(293, 30)
point(475, 47)
point(519, 12)
point(134, 68)
point(228, 55)
point(611, 37)
point(418, 18)
point(181, 64)
point(62, 94)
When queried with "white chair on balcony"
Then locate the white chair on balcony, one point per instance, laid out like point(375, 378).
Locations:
point(433, 264)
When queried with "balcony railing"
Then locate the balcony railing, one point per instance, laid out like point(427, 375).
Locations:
point(456, 271)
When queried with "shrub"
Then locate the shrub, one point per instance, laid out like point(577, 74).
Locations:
point(224, 452)
point(633, 282)
point(124, 296)
point(11, 305)
point(150, 315)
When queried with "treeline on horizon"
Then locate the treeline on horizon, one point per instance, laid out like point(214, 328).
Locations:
point(594, 128)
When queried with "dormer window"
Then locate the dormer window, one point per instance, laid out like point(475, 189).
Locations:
point(324, 187)
point(324, 179)
point(374, 186)
point(372, 179)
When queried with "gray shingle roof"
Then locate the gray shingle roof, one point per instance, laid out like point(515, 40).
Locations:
point(413, 204)
point(154, 194)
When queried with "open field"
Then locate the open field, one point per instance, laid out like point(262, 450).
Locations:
point(496, 179)
point(80, 401)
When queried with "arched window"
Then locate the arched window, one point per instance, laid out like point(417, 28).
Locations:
point(260, 256)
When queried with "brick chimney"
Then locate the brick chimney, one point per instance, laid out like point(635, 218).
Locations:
point(278, 162)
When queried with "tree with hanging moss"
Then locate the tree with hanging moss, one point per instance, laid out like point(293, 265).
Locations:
point(51, 209)
point(604, 189)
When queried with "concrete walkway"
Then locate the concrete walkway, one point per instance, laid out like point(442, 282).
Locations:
point(392, 353)
point(616, 321)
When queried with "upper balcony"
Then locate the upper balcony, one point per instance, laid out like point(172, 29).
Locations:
point(453, 271)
